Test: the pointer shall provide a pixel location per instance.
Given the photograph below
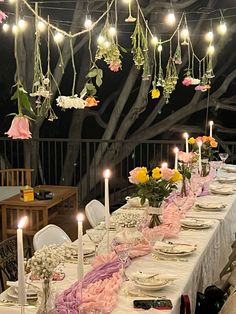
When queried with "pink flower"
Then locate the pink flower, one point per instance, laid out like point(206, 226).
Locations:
point(114, 66)
point(167, 173)
point(19, 128)
point(133, 173)
point(199, 139)
point(185, 157)
point(187, 81)
point(178, 61)
point(3, 16)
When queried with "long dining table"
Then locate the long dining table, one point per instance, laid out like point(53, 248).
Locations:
point(193, 273)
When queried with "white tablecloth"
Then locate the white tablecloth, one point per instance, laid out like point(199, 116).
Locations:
point(199, 270)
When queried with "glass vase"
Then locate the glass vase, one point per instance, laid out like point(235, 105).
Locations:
point(205, 167)
point(183, 191)
point(155, 211)
point(47, 305)
point(155, 221)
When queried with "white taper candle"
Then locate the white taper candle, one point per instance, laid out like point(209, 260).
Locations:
point(186, 141)
point(80, 265)
point(200, 156)
point(20, 262)
point(211, 126)
point(176, 151)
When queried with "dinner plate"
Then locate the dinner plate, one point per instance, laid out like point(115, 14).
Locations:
point(222, 191)
point(151, 287)
point(31, 294)
point(226, 179)
point(180, 249)
point(209, 206)
point(229, 168)
point(195, 224)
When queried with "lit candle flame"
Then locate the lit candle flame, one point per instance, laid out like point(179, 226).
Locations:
point(22, 222)
point(211, 123)
point(107, 173)
point(185, 135)
point(80, 217)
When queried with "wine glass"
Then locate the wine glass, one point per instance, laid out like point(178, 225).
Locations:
point(96, 236)
point(122, 251)
point(223, 157)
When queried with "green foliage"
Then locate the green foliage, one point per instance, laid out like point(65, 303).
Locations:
point(21, 96)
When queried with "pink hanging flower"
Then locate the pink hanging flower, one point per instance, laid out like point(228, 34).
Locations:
point(167, 173)
point(114, 66)
point(19, 128)
point(187, 81)
point(3, 16)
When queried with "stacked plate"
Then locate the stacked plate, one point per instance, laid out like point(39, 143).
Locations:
point(227, 179)
point(31, 294)
point(230, 168)
point(209, 206)
point(224, 189)
point(191, 223)
point(151, 281)
point(174, 249)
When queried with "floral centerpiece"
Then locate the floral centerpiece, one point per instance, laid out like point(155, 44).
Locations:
point(154, 185)
point(42, 265)
point(208, 149)
point(185, 165)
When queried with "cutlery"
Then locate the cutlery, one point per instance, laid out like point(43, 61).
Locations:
point(138, 293)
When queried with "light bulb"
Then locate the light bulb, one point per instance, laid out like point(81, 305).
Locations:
point(185, 33)
point(209, 36)
point(14, 29)
point(210, 49)
point(112, 31)
point(154, 40)
point(41, 26)
point(159, 48)
point(5, 27)
point(170, 18)
point(88, 22)
point(107, 44)
point(22, 24)
point(100, 40)
point(222, 28)
point(58, 37)
point(12, 1)
point(127, 1)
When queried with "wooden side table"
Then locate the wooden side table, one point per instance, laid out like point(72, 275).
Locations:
point(39, 212)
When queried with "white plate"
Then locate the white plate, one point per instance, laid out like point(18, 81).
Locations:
point(206, 226)
point(226, 179)
point(180, 249)
point(209, 206)
point(12, 293)
point(222, 191)
point(195, 224)
point(151, 287)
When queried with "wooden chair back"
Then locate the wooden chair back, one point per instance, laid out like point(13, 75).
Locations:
point(16, 177)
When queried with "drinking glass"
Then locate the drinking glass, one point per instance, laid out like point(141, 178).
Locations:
point(96, 236)
point(223, 157)
point(122, 251)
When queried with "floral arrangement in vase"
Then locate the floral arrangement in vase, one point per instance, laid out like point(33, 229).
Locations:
point(42, 265)
point(185, 165)
point(208, 148)
point(154, 185)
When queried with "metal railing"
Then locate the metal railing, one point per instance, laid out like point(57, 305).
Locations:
point(88, 158)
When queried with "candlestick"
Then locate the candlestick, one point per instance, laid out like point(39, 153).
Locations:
point(176, 151)
point(200, 156)
point(186, 141)
point(107, 175)
point(20, 262)
point(164, 165)
point(211, 126)
point(80, 265)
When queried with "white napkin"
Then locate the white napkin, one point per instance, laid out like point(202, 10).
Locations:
point(125, 236)
point(162, 245)
point(135, 202)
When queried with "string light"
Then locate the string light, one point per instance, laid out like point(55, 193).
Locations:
point(127, 1)
point(88, 22)
point(222, 28)
point(58, 37)
point(209, 36)
point(22, 24)
point(100, 40)
point(107, 44)
point(170, 18)
point(185, 33)
point(154, 40)
point(12, 1)
point(159, 48)
point(112, 31)
point(14, 29)
point(210, 50)
point(41, 26)
point(6, 27)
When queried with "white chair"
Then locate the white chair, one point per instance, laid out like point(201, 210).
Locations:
point(50, 234)
point(95, 212)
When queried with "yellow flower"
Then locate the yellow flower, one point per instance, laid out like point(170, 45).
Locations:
point(155, 93)
point(177, 176)
point(156, 173)
point(142, 175)
point(192, 140)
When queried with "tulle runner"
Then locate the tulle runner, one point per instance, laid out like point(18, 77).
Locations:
point(99, 288)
